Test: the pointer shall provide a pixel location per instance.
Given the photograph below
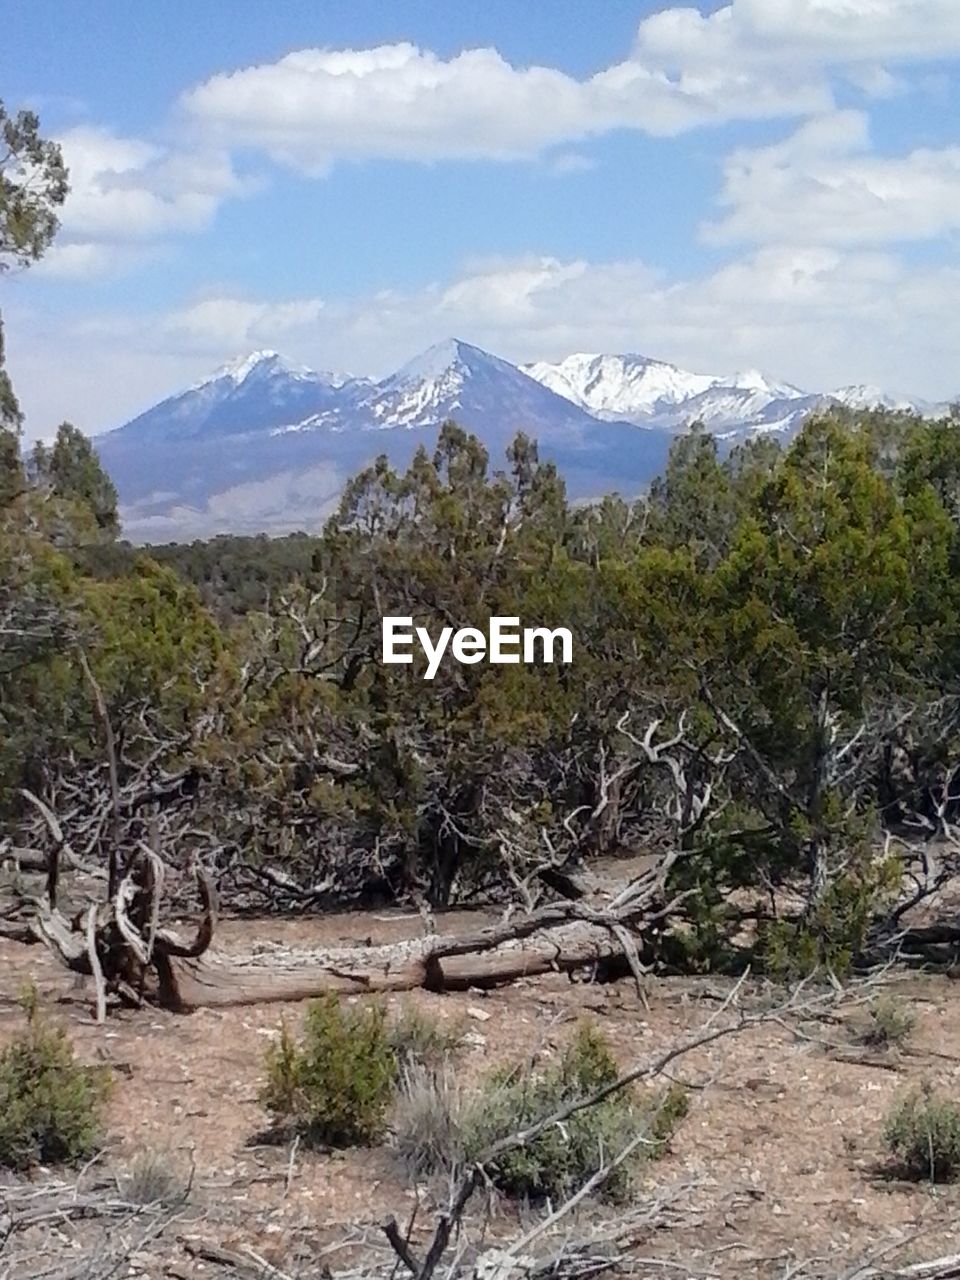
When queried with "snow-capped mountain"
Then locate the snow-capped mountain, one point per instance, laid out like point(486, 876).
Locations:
point(456, 380)
point(249, 394)
point(632, 388)
point(861, 396)
point(263, 444)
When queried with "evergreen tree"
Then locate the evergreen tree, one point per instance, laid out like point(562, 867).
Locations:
point(72, 471)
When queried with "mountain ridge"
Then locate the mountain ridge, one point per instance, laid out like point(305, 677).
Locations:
point(263, 443)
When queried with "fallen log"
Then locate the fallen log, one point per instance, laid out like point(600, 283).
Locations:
point(218, 979)
point(121, 945)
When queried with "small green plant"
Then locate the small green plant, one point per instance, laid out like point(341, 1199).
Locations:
point(418, 1038)
point(50, 1104)
point(889, 1022)
point(672, 1107)
point(922, 1133)
point(558, 1161)
point(333, 1088)
point(832, 935)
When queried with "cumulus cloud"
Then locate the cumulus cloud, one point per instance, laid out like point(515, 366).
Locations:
point(127, 193)
point(750, 59)
point(316, 106)
point(235, 324)
point(829, 33)
point(822, 185)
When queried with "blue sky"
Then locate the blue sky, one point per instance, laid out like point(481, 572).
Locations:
point(763, 183)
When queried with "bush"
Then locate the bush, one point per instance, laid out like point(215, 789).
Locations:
point(419, 1039)
point(334, 1087)
point(562, 1158)
point(923, 1135)
point(50, 1104)
point(889, 1022)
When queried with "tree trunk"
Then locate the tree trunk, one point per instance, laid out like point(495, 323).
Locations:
point(221, 979)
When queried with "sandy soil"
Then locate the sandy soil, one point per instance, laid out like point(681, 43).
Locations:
point(783, 1142)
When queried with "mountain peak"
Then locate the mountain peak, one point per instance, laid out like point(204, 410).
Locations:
point(440, 358)
point(266, 361)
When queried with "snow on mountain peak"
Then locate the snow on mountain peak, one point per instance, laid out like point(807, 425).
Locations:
point(863, 396)
point(239, 369)
point(439, 360)
point(619, 386)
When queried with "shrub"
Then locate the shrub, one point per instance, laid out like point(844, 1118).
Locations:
point(889, 1022)
point(923, 1135)
point(418, 1038)
point(562, 1158)
point(50, 1104)
point(334, 1086)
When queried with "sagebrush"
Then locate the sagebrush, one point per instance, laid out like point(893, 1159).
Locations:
point(439, 1128)
point(566, 1155)
point(419, 1038)
point(922, 1133)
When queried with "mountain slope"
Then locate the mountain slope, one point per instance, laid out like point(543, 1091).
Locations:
point(251, 394)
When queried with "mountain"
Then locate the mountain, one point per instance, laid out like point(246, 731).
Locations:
point(456, 380)
point(266, 445)
point(250, 394)
point(866, 397)
point(632, 388)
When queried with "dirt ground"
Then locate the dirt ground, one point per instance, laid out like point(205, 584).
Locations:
point(781, 1153)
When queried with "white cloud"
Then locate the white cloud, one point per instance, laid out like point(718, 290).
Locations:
point(316, 106)
point(82, 260)
point(235, 324)
point(751, 59)
point(126, 193)
point(828, 33)
point(823, 186)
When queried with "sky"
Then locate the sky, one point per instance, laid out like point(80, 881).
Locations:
point(769, 184)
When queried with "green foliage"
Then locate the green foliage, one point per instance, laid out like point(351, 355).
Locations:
point(564, 1156)
point(72, 471)
point(922, 1133)
point(833, 933)
point(889, 1022)
point(50, 1104)
point(421, 1039)
point(786, 621)
point(33, 185)
point(334, 1086)
point(11, 420)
